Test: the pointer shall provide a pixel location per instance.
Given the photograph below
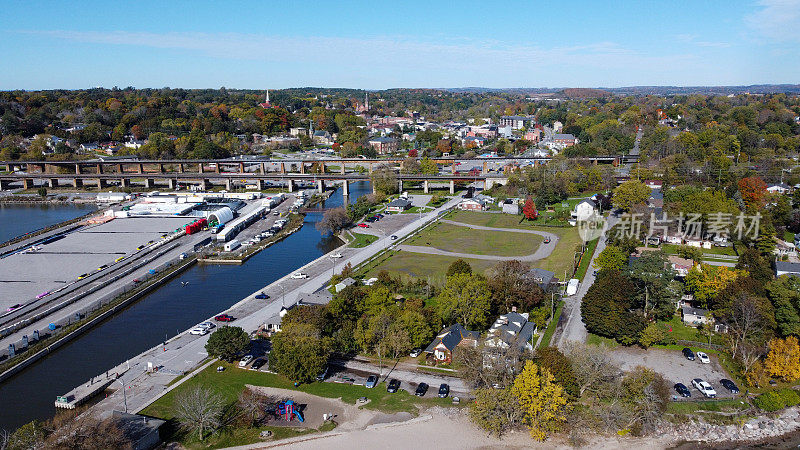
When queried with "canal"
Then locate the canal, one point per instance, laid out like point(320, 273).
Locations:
point(173, 308)
point(20, 219)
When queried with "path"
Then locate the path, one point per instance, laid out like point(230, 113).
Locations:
point(542, 252)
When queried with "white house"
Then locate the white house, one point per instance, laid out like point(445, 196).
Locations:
point(695, 316)
point(583, 210)
point(781, 188)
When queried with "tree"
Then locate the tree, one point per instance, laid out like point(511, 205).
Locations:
point(653, 334)
point(647, 394)
point(783, 359)
point(83, 430)
point(542, 401)
point(29, 436)
point(227, 342)
point(384, 180)
point(629, 194)
point(495, 410)
point(784, 293)
point(752, 262)
point(558, 364)
point(42, 191)
point(592, 366)
point(412, 153)
point(333, 221)
point(398, 341)
point(611, 258)
point(299, 352)
point(252, 405)
point(459, 266)
point(529, 210)
point(607, 308)
point(706, 281)
point(511, 286)
point(653, 276)
point(198, 409)
point(428, 166)
point(749, 319)
point(689, 252)
point(753, 191)
point(466, 299)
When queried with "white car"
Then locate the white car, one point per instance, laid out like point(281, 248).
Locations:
point(703, 358)
point(199, 331)
point(246, 360)
point(336, 255)
point(704, 388)
point(208, 325)
point(299, 275)
point(416, 352)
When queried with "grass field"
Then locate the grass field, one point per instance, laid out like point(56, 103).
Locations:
point(551, 327)
point(453, 238)
point(672, 249)
point(362, 240)
point(585, 260)
point(419, 265)
point(230, 383)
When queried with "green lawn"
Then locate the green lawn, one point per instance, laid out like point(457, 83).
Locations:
point(362, 240)
point(551, 327)
point(230, 383)
point(585, 260)
point(672, 249)
point(496, 220)
point(593, 339)
point(454, 238)
point(420, 265)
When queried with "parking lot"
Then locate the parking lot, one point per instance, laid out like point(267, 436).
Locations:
point(674, 367)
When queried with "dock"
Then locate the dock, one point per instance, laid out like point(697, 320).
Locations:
point(85, 392)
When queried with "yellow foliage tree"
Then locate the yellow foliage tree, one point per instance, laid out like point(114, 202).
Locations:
point(542, 400)
point(706, 281)
point(783, 359)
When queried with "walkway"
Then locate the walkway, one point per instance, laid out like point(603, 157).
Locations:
point(542, 252)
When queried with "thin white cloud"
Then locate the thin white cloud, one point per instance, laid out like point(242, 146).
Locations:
point(692, 39)
point(777, 20)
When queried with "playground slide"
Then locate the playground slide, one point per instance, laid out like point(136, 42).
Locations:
point(299, 416)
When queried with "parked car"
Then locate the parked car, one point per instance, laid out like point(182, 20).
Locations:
point(363, 225)
point(372, 381)
point(136, 280)
point(393, 237)
point(299, 276)
point(444, 390)
point(257, 364)
point(208, 325)
point(681, 389)
point(393, 386)
point(703, 358)
point(336, 255)
point(687, 352)
point(13, 307)
point(704, 388)
point(416, 352)
point(421, 390)
point(199, 331)
point(246, 360)
point(224, 318)
point(547, 240)
point(729, 385)
point(262, 296)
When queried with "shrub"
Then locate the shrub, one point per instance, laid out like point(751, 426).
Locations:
point(770, 401)
point(789, 396)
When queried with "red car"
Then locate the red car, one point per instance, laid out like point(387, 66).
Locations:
point(224, 318)
point(363, 225)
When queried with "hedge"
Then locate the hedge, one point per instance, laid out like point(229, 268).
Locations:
point(770, 401)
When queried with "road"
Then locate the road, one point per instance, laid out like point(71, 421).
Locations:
point(183, 353)
point(408, 377)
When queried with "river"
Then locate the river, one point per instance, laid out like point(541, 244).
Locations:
point(172, 308)
point(20, 219)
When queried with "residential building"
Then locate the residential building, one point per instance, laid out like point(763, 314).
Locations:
point(134, 143)
point(534, 135)
point(383, 144)
point(787, 268)
point(780, 188)
point(681, 266)
point(476, 203)
point(511, 330)
point(448, 339)
point(517, 122)
point(583, 210)
point(695, 316)
point(565, 140)
point(510, 206)
point(544, 278)
point(558, 127)
point(398, 205)
point(474, 141)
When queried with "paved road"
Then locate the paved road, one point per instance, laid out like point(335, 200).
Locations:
point(571, 326)
point(409, 378)
point(542, 252)
point(185, 351)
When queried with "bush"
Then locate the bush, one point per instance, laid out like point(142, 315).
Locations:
point(789, 396)
point(770, 401)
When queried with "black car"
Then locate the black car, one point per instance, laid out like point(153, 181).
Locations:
point(444, 390)
point(259, 363)
point(729, 385)
point(688, 353)
point(421, 389)
point(681, 388)
point(393, 386)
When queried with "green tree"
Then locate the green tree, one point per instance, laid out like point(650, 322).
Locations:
point(752, 262)
point(29, 436)
point(495, 410)
point(784, 293)
point(299, 352)
point(384, 181)
point(611, 258)
point(42, 191)
point(227, 342)
point(607, 308)
point(466, 299)
point(457, 267)
point(630, 194)
point(428, 167)
point(558, 364)
point(543, 402)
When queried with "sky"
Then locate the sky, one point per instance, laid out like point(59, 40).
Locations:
point(410, 44)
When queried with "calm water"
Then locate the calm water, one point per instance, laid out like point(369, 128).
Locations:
point(173, 308)
point(20, 219)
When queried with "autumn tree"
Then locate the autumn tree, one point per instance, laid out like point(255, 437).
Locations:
point(512, 286)
point(495, 410)
point(529, 210)
point(559, 365)
point(783, 359)
point(428, 166)
point(466, 299)
point(592, 366)
point(543, 402)
point(198, 409)
point(333, 221)
point(629, 194)
point(706, 281)
point(753, 191)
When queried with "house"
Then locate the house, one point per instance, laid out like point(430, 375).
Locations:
point(343, 284)
point(656, 199)
point(564, 140)
point(558, 126)
point(695, 316)
point(517, 122)
point(473, 204)
point(398, 205)
point(510, 206)
point(681, 266)
point(654, 184)
point(511, 330)
point(141, 431)
point(544, 278)
point(474, 141)
point(534, 136)
point(383, 144)
point(584, 210)
point(90, 147)
point(787, 268)
point(134, 143)
point(322, 137)
point(322, 297)
point(780, 188)
point(448, 339)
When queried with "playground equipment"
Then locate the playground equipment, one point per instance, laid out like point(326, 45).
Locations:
point(286, 410)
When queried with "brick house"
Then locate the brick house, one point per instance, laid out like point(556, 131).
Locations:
point(448, 339)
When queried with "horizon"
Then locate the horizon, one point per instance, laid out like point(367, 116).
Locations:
point(357, 45)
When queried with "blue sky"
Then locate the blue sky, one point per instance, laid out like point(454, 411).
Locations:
point(381, 44)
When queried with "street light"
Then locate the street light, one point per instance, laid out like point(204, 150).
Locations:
point(124, 394)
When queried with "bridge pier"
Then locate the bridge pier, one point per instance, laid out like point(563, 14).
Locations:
point(400, 186)
point(101, 183)
point(27, 183)
point(320, 186)
point(452, 187)
point(302, 167)
point(120, 168)
point(77, 169)
point(161, 168)
point(180, 168)
point(228, 184)
point(99, 169)
point(488, 183)
point(343, 168)
point(77, 182)
point(173, 183)
point(4, 185)
point(199, 167)
point(262, 169)
point(485, 166)
point(140, 167)
point(345, 188)
point(241, 167)
point(149, 183)
point(283, 168)
point(260, 183)
point(204, 184)
point(53, 182)
point(370, 168)
point(290, 185)
point(125, 182)
point(425, 187)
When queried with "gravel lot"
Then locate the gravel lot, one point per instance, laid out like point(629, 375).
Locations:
point(674, 367)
